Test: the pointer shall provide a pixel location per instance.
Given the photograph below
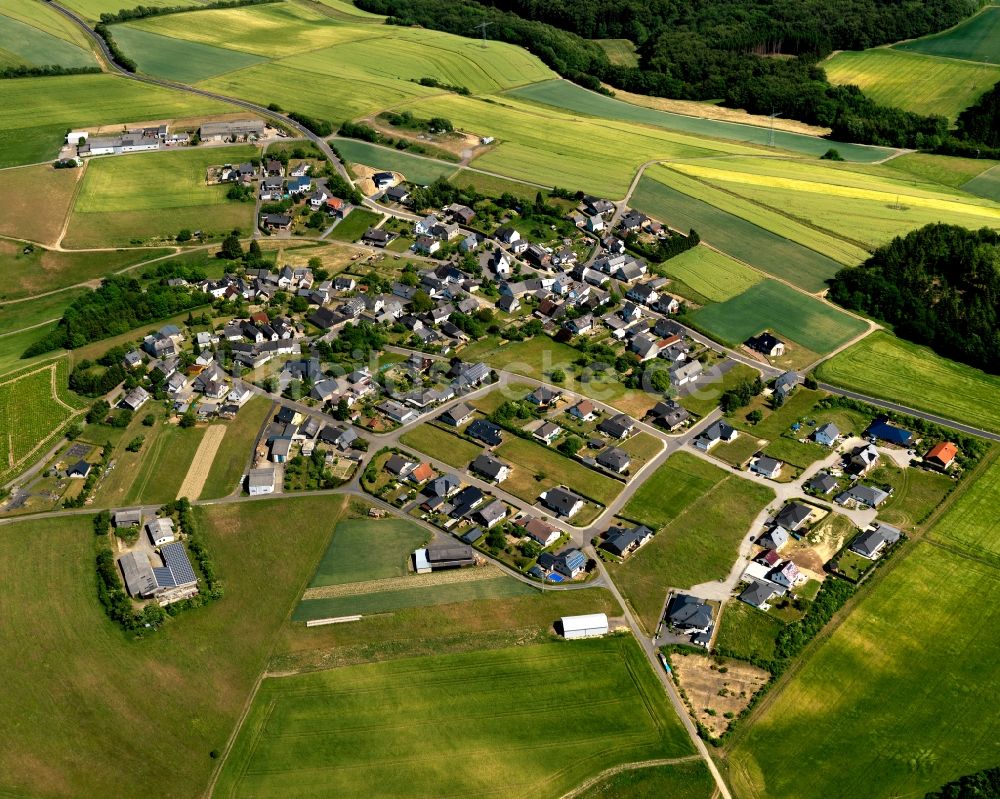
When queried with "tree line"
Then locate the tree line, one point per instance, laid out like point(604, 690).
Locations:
point(756, 55)
point(938, 286)
point(118, 306)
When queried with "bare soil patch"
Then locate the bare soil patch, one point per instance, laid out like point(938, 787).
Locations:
point(36, 201)
point(715, 687)
point(194, 480)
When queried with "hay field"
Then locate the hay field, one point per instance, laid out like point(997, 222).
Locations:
point(976, 39)
point(712, 274)
point(808, 322)
point(459, 725)
point(234, 452)
point(37, 200)
point(419, 170)
point(619, 51)
point(919, 83)
point(887, 705)
point(44, 18)
point(985, 185)
point(64, 733)
point(881, 365)
point(37, 113)
point(570, 97)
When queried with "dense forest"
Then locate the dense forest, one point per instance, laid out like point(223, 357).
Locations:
point(119, 305)
point(983, 784)
point(939, 286)
point(752, 54)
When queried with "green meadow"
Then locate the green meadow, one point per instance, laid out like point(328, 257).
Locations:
point(32, 46)
point(176, 59)
point(887, 367)
point(455, 725)
point(973, 40)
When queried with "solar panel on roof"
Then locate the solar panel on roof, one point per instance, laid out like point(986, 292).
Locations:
point(177, 561)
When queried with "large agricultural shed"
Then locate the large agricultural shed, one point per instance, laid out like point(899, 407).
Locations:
point(590, 625)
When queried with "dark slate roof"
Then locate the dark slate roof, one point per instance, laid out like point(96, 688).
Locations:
point(560, 500)
point(884, 431)
point(688, 611)
point(488, 466)
point(486, 431)
point(792, 515)
point(757, 593)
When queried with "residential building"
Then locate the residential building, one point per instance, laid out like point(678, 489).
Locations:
point(718, 432)
point(623, 541)
point(863, 495)
point(562, 502)
point(571, 563)
point(793, 516)
point(485, 431)
point(872, 543)
point(492, 514)
point(399, 465)
point(826, 434)
point(766, 344)
point(543, 533)
point(689, 614)
point(584, 410)
point(942, 455)
point(160, 530)
point(618, 426)
point(758, 593)
point(457, 414)
point(614, 459)
point(766, 466)
point(882, 430)
point(491, 468)
point(260, 481)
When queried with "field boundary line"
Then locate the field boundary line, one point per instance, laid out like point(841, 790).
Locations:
point(636, 766)
point(402, 583)
point(197, 473)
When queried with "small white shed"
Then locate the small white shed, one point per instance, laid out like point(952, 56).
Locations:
point(588, 626)
point(420, 562)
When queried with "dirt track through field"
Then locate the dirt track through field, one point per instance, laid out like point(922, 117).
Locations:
point(401, 583)
point(194, 480)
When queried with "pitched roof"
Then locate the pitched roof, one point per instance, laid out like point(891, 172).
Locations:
point(944, 453)
point(560, 500)
point(489, 466)
point(688, 611)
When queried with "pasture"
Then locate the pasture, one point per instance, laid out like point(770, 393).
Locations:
point(748, 242)
point(619, 51)
point(972, 525)
point(537, 468)
point(33, 411)
point(911, 81)
point(746, 632)
point(886, 705)
point(714, 275)
point(115, 204)
point(881, 365)
point(771, 305)
point(176, 59)
point(233, 454)
point(322, 731)
point(441, 444)
point(698, 545)
point(975, 39)
point(57, 650)
point(24, 274)
point(570, 97)
point(28, 45)
point(671, 489)
point(38, 113)
point(417, 170)
point(368, 549)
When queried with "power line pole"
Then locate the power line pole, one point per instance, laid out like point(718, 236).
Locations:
point(482, 26)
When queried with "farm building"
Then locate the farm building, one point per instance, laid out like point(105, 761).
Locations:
point(260, 481)
point(160, 531)
point(443, 556)
point(127, 518)
point(237, 130)
point(590, 625)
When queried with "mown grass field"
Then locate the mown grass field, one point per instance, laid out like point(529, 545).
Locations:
point(159, 473)
point(565, 95)
point(389, 601)
point(704, 398)
point(712, 274)
point(368, 549)
point(493, 186)
point(912, 81)
point(37, 113)
point(619, 51)
point(768, 251)
point(233, 454)
point(418, 170)
point(530, 459)
point(884, 366)
point(973, 40)
point(775, 306)
point(45, 18)
point(747, 632)
point(38, 198)
point(441, 444)
point(698, 545)
point(117, 203)
point(34, 46)
point(33, 409)
point(25, 274)
point(946, 170)
point(419, 739)
point(92, 9)
point(353, 226)
point(887, 705)
point(986, 185)
point(189, 681)
point(176, 59)
point(14, 317)
point(668, 491)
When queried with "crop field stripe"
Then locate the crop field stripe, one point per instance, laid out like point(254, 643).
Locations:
point(713, 274)
point(734, 235)
point(985, 185)
point(39, 48)
point(565, 95)
point(975, 39)
point(177, 59)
